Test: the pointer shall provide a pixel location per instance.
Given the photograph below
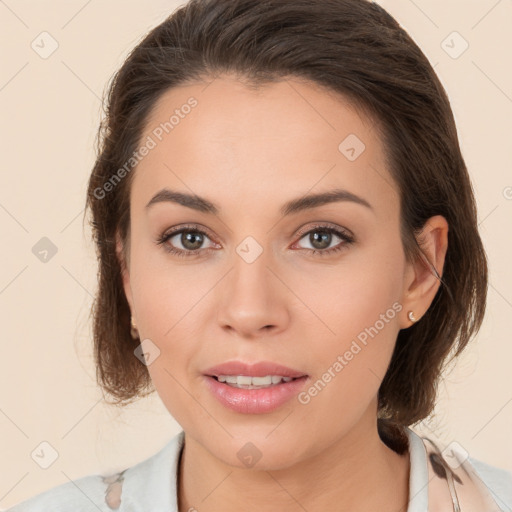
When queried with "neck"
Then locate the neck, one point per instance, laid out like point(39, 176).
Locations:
point(358, 472)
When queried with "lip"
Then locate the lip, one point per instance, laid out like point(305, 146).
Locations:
point(255, 401)
point(258, 369)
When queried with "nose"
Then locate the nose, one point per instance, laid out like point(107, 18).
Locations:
point(252, 300)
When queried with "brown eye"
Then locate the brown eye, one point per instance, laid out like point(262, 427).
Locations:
point(190, 240)
point(321, 237)
point(321, 241)
point(187, 241)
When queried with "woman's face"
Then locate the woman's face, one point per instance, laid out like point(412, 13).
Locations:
point(250, 288)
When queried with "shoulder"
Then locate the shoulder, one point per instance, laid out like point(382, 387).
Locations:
point(497, 480)
point(86, 494)
point(125, 490)
point(436, 466)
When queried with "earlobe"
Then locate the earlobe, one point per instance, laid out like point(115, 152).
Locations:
point(422, 282)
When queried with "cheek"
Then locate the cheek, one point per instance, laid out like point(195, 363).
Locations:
point(359, 312)
point(167, 302)
point(349, 300)
point(164, 302)
point(350, 365)
point(164, 292)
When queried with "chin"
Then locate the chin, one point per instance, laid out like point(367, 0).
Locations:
point(255, 451)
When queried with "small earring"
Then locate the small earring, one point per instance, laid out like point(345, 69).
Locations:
point(411, 316)
point(134, 331)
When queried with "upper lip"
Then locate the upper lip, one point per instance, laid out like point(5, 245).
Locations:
point(258, 369)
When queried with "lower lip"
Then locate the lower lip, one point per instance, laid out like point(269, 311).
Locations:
point(255, 401)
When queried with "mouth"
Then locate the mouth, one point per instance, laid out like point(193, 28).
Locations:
point(248, 394)
point(254, 388)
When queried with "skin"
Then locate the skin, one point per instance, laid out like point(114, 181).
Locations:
point(249, 152)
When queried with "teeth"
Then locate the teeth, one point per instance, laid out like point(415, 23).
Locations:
point(245, 381)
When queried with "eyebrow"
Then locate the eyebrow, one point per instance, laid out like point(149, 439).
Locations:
point(306, 202)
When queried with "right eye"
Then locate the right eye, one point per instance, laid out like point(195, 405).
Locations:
point(189, 237)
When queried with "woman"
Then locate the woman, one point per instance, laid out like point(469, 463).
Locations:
point(288, 249)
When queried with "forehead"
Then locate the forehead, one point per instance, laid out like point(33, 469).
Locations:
point(227, 141)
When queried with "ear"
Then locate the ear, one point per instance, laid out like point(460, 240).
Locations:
point(421, 283)
point(125, 270)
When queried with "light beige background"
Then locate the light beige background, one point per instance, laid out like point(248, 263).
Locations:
point(50, 113)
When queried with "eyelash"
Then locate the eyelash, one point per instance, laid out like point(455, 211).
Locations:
point(194, 228)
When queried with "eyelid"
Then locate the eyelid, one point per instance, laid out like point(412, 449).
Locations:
point(325, 225)
point(192, 226)
point(187, 227)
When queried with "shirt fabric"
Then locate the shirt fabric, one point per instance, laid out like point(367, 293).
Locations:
point(151, 485)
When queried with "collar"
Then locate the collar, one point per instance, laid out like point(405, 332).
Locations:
point(448, 482)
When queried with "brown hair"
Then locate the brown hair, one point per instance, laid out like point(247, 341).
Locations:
point(354, 48)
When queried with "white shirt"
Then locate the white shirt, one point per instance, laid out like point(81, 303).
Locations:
point(150, 485)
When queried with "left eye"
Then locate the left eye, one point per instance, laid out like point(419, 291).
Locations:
point(321, 238)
